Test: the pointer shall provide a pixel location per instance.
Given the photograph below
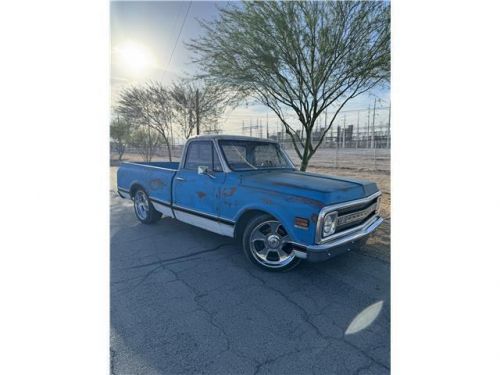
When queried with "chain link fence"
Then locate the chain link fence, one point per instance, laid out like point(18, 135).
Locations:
point(357, 140)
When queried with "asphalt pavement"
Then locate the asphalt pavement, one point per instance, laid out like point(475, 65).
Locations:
point(187, 301)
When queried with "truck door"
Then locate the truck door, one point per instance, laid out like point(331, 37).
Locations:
point(195, 196)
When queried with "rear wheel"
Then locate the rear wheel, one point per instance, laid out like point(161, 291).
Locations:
point(144, 209)
point(267, 244)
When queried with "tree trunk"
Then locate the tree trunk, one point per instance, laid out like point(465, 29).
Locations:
point(197, 112)
point(169, 151)
point(121, 151)
point(165, 137)
point(303, 164)
point(306, 156)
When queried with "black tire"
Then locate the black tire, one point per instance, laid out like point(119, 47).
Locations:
point(144, 209)
point(256, 227)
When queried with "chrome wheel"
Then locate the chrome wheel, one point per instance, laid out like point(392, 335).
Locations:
point(270, 244)
point(141, 205)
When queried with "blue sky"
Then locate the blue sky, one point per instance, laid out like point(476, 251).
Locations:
point(143, 36)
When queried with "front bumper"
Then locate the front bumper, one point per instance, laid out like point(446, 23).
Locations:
point(353, 239)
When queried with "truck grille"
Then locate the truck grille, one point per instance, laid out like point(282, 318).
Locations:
point(355, 215)
point(350, 216)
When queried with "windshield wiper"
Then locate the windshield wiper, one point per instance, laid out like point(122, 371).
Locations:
point(243, 158)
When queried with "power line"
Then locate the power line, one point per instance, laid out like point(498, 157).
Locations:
point(179, 35)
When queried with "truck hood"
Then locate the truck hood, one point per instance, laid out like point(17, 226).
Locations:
point(313, 189)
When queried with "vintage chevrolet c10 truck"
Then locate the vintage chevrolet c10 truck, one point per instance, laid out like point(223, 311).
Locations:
point(248, 189)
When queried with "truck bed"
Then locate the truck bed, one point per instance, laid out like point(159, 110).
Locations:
point(154, 177)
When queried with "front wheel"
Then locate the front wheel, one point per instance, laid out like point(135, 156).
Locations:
point(267, 244)
point(144, 209)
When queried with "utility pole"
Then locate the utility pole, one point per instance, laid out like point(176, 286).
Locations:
point(331, 128)
point(343, 134)
point(373, 123)
point(336, 151)
point(337, 148)
point(367, 127)
point(389, 128)
point(373, 136)
point(267, 125)
point(197, 112)
point(357, 131)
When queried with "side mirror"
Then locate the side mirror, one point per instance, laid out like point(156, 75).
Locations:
point(202, 169)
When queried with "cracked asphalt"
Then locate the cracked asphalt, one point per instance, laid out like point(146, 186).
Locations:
point(186, 301)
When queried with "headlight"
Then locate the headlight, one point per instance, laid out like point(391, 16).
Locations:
point(329, 224)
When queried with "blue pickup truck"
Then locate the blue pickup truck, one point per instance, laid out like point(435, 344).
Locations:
point(248, 189)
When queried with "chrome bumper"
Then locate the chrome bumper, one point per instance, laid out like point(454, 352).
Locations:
point(353, 238)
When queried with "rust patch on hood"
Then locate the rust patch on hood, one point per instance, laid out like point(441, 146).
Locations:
point(201, 194)
point(285, 184)
point(305, 200)
point(314, 218)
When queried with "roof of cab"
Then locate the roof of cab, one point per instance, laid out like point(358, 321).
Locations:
point(229, 137)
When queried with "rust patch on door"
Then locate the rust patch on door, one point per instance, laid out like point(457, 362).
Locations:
point(156, 184)
point(201, 194)
point(229, 192)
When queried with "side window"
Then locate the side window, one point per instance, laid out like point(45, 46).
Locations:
point(199, 153)
point(202, 153)
point(217, 165)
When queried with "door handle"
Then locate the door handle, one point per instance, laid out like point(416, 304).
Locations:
point(180, 179)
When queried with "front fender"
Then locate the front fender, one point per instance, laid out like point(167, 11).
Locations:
point(286, 215)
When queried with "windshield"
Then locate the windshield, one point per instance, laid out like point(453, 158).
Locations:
point(250, 155)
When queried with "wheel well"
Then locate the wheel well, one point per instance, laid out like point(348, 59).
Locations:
point(244, 219)
point(133, 189)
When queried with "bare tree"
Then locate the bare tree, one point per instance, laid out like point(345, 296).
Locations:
point(298, 56)
point(197, 105)
point(150, 106)
point(146, 141)
point(120, 132)
point(182, 95)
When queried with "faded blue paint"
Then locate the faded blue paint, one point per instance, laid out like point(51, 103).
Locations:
point(155, 178)
point(283, 193)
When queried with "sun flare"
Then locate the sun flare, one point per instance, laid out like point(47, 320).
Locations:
point(135, 57)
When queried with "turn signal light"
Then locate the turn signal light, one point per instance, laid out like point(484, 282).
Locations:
point(301, 222)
